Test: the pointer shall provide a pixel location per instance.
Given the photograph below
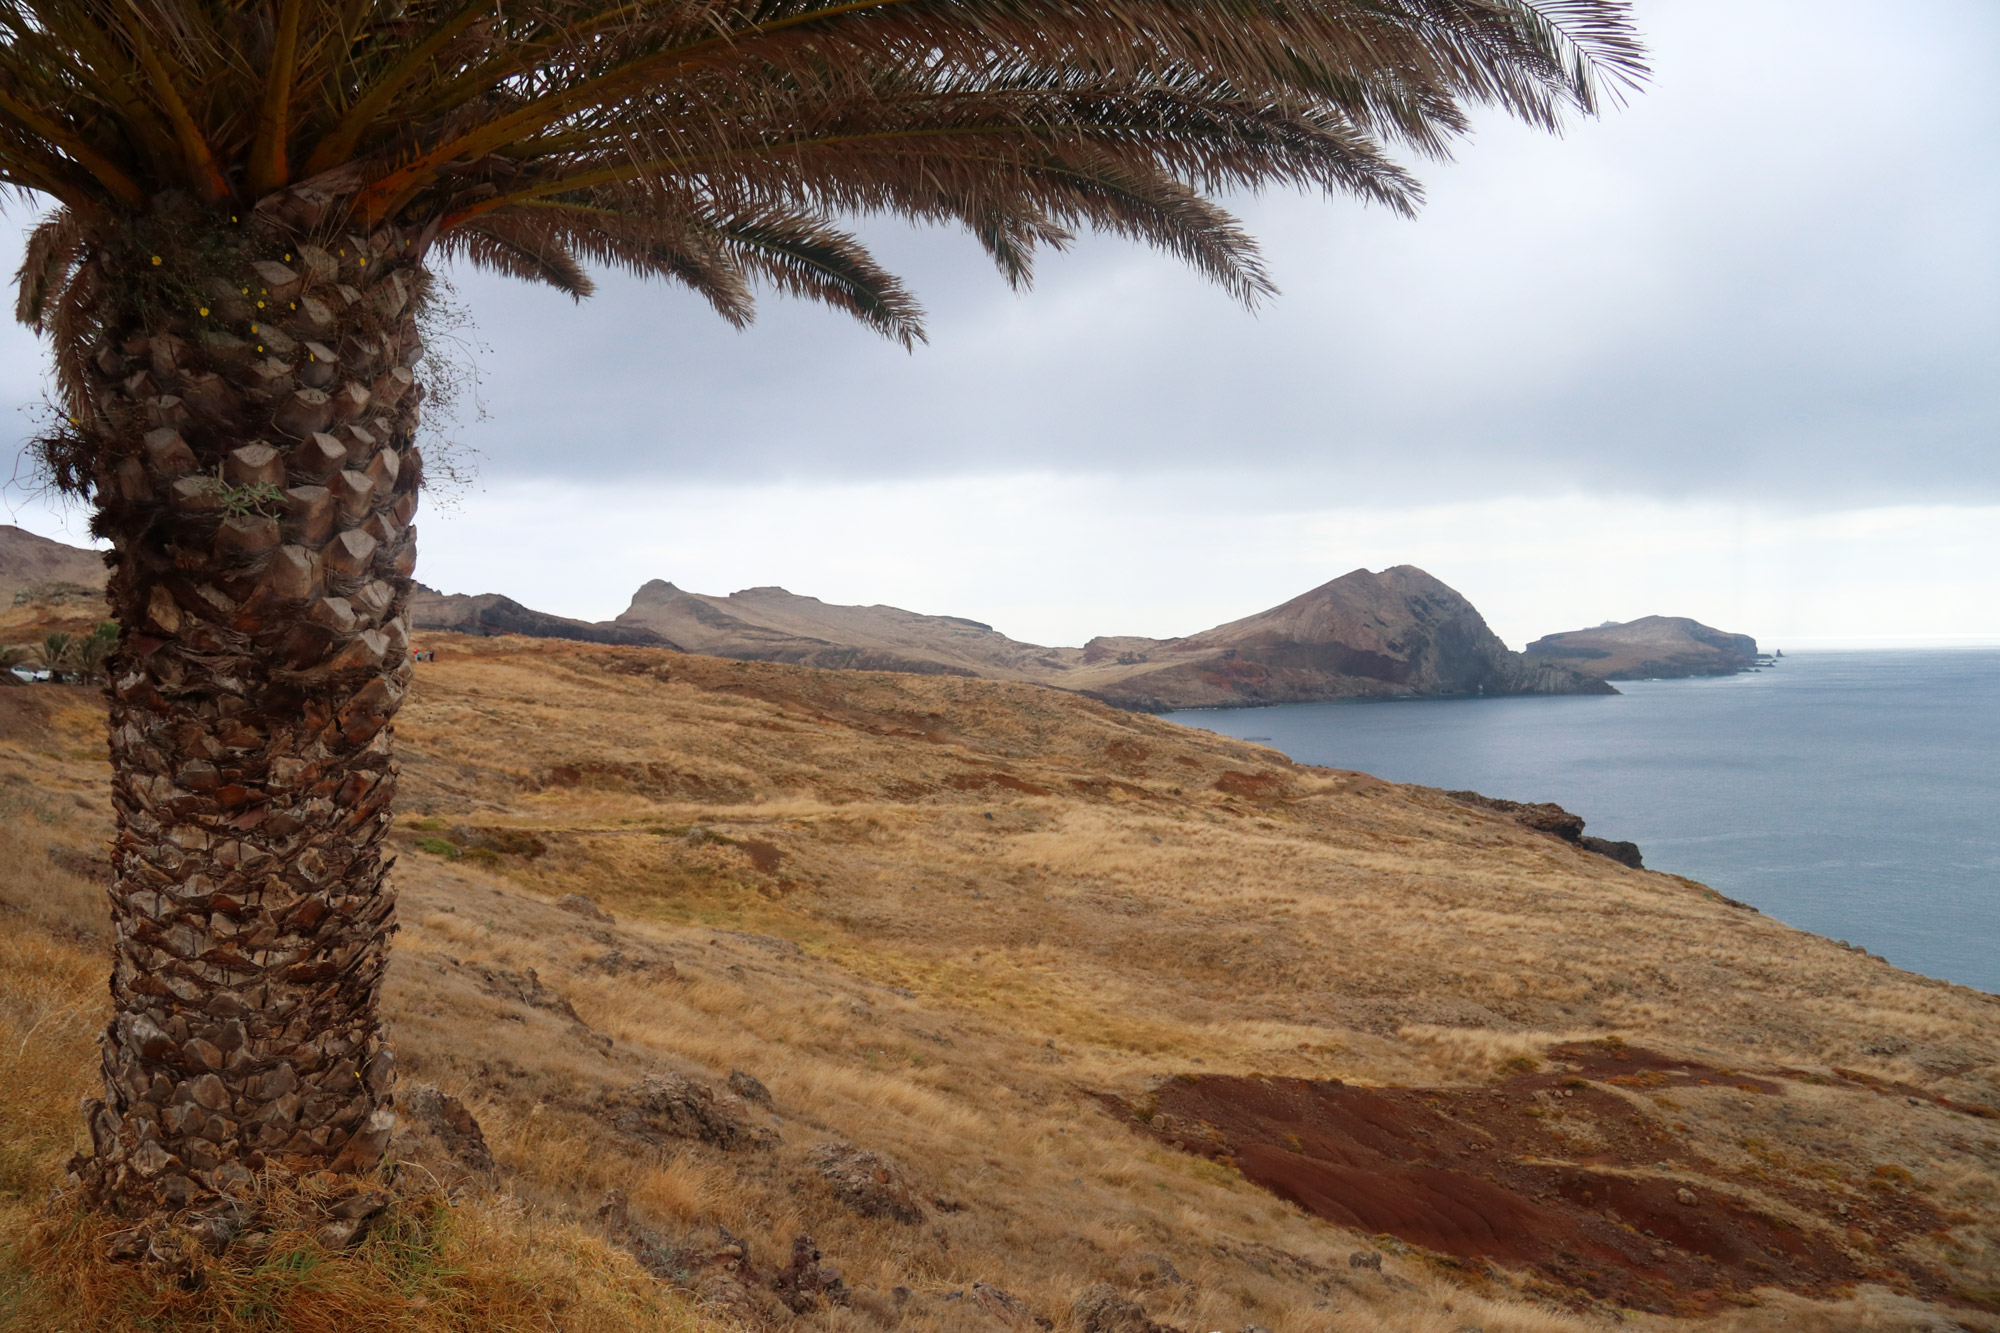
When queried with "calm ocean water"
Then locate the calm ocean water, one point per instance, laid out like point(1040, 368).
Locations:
point(1855, 794)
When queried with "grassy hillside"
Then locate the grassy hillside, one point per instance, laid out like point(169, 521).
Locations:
point(1034, 995)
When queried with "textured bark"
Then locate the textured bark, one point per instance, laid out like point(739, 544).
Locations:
point(257, 483)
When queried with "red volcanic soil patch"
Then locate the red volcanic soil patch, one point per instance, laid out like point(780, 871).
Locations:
point(1613, 1206)
point(764, 856)
point(1251, 786)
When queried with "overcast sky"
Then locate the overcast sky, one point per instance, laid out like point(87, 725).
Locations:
point(1729, 352)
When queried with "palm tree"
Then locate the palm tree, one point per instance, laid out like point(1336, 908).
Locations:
point(244, 200)
point(90, 656)
point(58, 654)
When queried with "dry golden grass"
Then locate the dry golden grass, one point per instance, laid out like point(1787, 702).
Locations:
point(429, 1266)
point(484, 1263)
point(1004, 899)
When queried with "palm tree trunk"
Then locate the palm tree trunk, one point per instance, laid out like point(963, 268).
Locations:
point(256, 479)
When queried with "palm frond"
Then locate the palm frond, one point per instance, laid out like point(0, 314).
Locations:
point(694, 256)
point(519, 248)
point(52, 252)
point(800, 256)
point(713, 141)
point(57, 295)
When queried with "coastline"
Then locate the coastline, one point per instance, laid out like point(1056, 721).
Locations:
point(1840, 794)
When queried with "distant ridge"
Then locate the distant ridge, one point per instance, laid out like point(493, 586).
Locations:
point(487, 614)
point(773, 625)
point(1397, 633)
point(27, 560)
point(1648, 648)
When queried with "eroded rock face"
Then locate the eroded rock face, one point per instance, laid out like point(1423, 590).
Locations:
point(1542, 816)
point(1548, 817)
point(633, 963)
point(1625, 853)
point(715, 1265)
point(867, 1182)
point(670, 1106)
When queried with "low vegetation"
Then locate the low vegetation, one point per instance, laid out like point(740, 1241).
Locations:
point(726, 955)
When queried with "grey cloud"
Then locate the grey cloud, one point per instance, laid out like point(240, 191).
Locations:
point(1773, 277)
point(1749, 283)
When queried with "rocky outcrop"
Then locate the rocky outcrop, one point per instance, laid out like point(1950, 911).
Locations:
point(1651, 647)
point(721, 1270)
point(1103, 1308)
point(867, 1182)
point(1548, 817)
point(489, 614)
point(661, 1108)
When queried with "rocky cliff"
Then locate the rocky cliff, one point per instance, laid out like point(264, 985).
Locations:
point(1647, 648)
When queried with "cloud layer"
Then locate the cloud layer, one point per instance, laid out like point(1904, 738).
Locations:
point(1054, 559)
point(1775, 275)
point(1730, 351)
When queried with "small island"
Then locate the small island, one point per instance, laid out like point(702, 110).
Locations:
point(1649, 648)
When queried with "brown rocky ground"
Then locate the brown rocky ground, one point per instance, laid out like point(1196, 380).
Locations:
point(1018, 1010)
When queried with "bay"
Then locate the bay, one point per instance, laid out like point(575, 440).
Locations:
point(1853, 794)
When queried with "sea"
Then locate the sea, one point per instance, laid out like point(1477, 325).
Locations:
point(1852, 794)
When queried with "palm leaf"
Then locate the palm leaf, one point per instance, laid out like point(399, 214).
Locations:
point(707, 141)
